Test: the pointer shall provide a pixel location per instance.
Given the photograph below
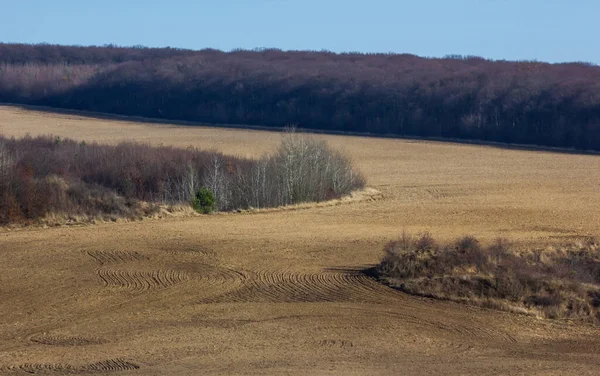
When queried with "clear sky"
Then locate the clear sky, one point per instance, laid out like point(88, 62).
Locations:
point(547, 30)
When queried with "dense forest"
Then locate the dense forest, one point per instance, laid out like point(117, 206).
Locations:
point(455, 97)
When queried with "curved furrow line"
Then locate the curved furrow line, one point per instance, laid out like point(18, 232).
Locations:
point(37, 368)
point(324, 287)
point(107, 257)
point(313, 287)
point(275, 287)
point(194, 253)
point(111, 365)
point(216, 275)
point(141, 280)
point(366, 287)
point(265, 287)
point(288, 287)
point(105, 366)
point(215, 280)
point(241, 294)
point(338, 287)
point(66, 341)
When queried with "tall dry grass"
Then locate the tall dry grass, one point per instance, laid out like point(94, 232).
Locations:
point(559, 282)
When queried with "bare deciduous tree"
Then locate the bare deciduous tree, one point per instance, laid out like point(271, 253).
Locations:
point(6, 161)
point(309, 170)
point(216, 180)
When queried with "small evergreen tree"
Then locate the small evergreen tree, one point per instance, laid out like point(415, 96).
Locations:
point(204, 201)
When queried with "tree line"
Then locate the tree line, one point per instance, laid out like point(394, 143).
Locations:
point(524, 102)
point(44, 176)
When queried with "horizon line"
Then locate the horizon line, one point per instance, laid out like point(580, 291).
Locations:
point(453, 56)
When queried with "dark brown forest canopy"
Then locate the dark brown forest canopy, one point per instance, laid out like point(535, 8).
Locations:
point(454, 97)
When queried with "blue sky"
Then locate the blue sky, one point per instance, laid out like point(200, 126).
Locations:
point(548, 30)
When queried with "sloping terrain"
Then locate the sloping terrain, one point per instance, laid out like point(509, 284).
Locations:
point(279, 291)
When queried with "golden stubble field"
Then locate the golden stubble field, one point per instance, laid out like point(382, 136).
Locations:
point(279, 292)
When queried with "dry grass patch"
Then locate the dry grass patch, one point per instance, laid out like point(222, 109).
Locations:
point(558, 282)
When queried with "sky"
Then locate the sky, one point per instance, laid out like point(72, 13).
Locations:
point(545, 30)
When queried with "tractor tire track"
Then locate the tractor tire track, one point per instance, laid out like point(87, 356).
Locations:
point(219, 276)
point(141, 280)
point(105, 366)
point(110, 365)
point(350, 287)
point(193, 252)
point(40, 368)
point(289, 287)
point(211, 280)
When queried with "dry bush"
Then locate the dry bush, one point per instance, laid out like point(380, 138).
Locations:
point(560, 283)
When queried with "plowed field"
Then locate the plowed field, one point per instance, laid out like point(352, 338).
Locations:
point(280, 292)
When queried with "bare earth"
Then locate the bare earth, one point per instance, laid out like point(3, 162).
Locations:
point(278, 292)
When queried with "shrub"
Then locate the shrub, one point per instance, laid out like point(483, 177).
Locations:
point(559, 283)
point(204, 201)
